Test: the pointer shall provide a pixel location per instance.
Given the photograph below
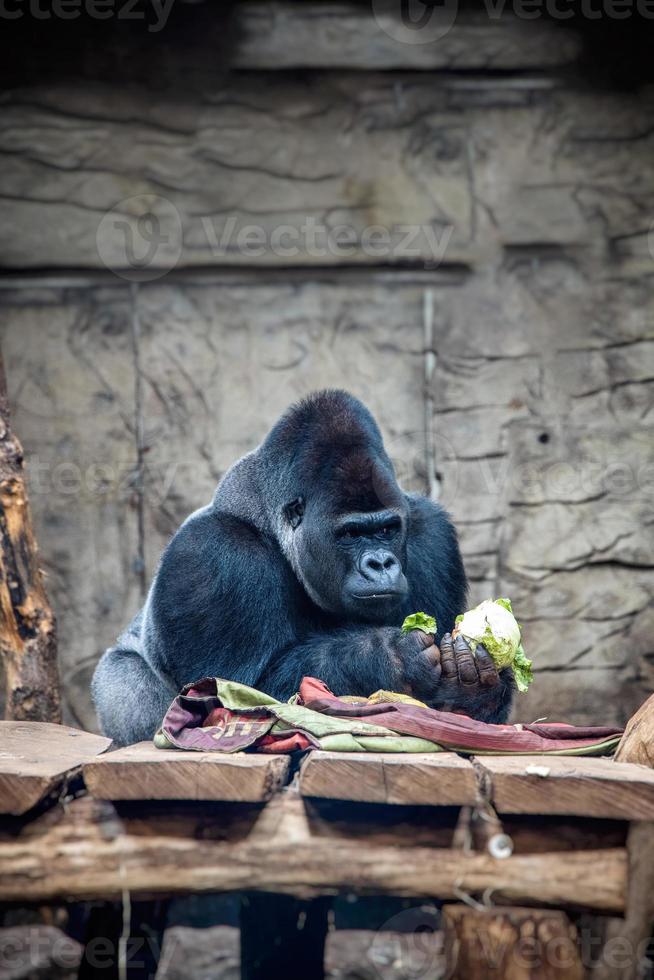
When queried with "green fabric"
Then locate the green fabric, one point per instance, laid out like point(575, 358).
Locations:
point(292, 716)
point(348, 734)
point(237, 696)
point(607, 747)
point(368, 743)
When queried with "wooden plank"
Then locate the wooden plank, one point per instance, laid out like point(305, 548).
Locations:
point(438, 779)
point(143, 772)
point(37, 757)
point(91, 850)
point(344, 35)
point(585, 787)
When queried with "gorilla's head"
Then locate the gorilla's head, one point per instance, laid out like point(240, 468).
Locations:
point(339, 514)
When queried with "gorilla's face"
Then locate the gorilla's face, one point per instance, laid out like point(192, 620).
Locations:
point(348, 540)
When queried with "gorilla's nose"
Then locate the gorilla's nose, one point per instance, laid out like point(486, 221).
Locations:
point(380, 567)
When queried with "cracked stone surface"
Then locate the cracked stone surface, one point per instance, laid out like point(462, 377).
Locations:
point(540, 192)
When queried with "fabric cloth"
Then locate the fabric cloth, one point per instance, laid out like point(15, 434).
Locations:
point(214, 715)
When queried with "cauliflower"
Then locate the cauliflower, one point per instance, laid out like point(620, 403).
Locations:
point(492, 623)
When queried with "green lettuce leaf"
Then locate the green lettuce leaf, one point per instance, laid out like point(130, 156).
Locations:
point(419, 621)
point(522, 671)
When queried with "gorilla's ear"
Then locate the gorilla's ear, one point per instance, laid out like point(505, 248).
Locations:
point(295, 512)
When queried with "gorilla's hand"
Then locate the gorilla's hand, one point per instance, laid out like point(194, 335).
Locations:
point(418, 663)
point(471, 683)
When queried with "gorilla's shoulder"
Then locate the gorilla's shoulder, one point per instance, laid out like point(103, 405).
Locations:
point(435, 569)
point(430, 518)
point(205, 539)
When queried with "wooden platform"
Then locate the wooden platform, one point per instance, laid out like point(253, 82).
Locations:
point(36, 758)
point(143, 772)
point(166, 822)
point(539, 784)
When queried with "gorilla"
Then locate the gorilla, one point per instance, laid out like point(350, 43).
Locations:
point(305, 563)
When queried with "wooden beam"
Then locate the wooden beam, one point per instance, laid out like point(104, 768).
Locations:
point(29, 678)
point(438, 779)
point(345, 35)
point(586, 787)
point(92, 849)
point(635, 934)
point(37, 758)
point(143, 772)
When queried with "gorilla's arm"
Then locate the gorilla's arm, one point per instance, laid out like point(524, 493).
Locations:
point(357, 660)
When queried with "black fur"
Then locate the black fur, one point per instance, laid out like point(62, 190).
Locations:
point(272, 581)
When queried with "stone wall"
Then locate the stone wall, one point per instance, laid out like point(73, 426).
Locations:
point(456, 232)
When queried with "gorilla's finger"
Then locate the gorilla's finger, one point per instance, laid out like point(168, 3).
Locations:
point(488, 674)
point(433, 655)
point(465, 660)
point(448, 660)
point(425, 640)
point(422, 677)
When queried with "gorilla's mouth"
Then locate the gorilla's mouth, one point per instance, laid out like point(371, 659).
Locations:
point(376, 595)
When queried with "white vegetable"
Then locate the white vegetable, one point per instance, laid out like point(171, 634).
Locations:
point(493, 624)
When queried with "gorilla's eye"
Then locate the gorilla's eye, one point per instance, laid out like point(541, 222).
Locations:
point(295, 512)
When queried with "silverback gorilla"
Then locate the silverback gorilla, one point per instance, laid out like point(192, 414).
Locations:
point(306, 562)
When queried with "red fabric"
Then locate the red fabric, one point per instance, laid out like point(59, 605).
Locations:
point(285, 743)
point(454, 730)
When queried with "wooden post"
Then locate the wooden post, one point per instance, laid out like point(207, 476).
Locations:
point(637, 743)
point(625, 951)
point(510, 944)
point(29, 679)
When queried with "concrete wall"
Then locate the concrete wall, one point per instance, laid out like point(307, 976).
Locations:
point(468, 247)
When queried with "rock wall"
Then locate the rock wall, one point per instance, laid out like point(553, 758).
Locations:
point(467, 251)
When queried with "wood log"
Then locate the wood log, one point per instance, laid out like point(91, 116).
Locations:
point(624, 959)
point(586, 787)
point(637, 743)
point(93, 850)
point(38, 758)
point(439, 779)
point(143, 772)
point(29, 678)
point(510, 944)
